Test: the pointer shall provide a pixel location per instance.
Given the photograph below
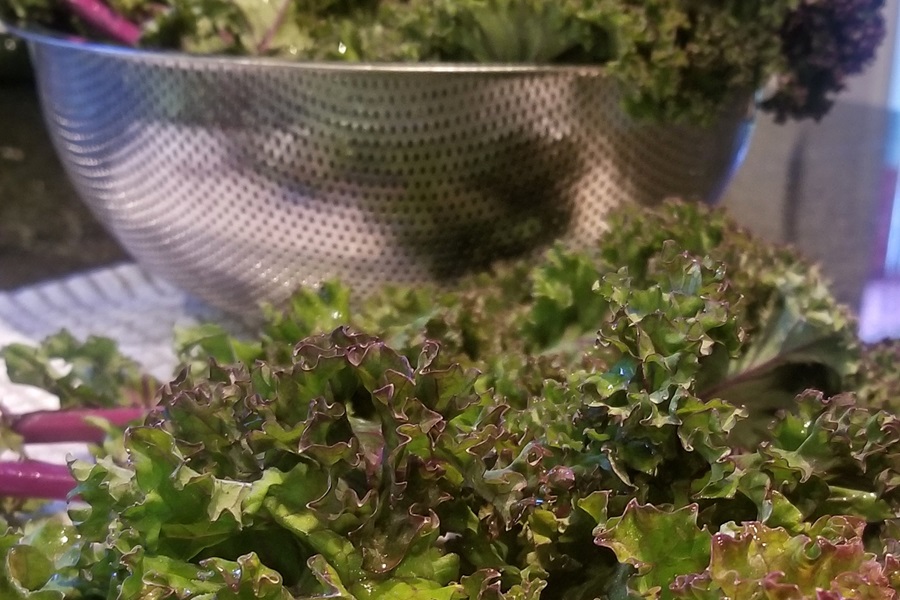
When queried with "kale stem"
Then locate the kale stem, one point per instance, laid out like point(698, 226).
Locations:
point(102, 18)
point(52, 426)
point(35, 479)
point(270, 33)
point(738, 379)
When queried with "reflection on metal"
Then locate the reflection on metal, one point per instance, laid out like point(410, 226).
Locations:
point(892, 155)
point(794, 184)
point(242, 179)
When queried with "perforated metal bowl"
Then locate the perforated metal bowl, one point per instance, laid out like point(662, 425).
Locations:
point(241, 179)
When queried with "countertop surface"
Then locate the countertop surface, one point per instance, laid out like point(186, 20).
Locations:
point(45, 230)
point(824, 187)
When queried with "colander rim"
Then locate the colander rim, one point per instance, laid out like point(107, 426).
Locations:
point(42, 37)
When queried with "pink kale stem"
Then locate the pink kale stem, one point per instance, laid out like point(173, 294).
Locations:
point(51, 426)
point(99, 16)
point(35, 479)
point(276, 24)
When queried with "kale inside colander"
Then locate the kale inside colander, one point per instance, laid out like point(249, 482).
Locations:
point(675, 59)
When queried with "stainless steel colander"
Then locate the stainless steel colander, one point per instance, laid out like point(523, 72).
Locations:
point(241, 179)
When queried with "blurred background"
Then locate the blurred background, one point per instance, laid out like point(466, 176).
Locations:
point(828, 188)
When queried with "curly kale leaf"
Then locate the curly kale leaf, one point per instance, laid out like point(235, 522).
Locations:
point(661, 545)
point(879, 376)
point(352, 469)
point(797, 335)
point(82, 374)
point(522, 324)
point(752, 561)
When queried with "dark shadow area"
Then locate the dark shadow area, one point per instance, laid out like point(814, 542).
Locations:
point(525, 190)
point(45, 230)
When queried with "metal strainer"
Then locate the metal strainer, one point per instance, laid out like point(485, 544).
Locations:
point(241, 179)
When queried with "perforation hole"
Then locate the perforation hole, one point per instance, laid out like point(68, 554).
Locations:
point(239, 182)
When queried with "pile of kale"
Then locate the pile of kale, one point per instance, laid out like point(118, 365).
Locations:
point(675, 59)
point(681, 412)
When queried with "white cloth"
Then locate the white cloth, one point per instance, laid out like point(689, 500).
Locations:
point(124, 303)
